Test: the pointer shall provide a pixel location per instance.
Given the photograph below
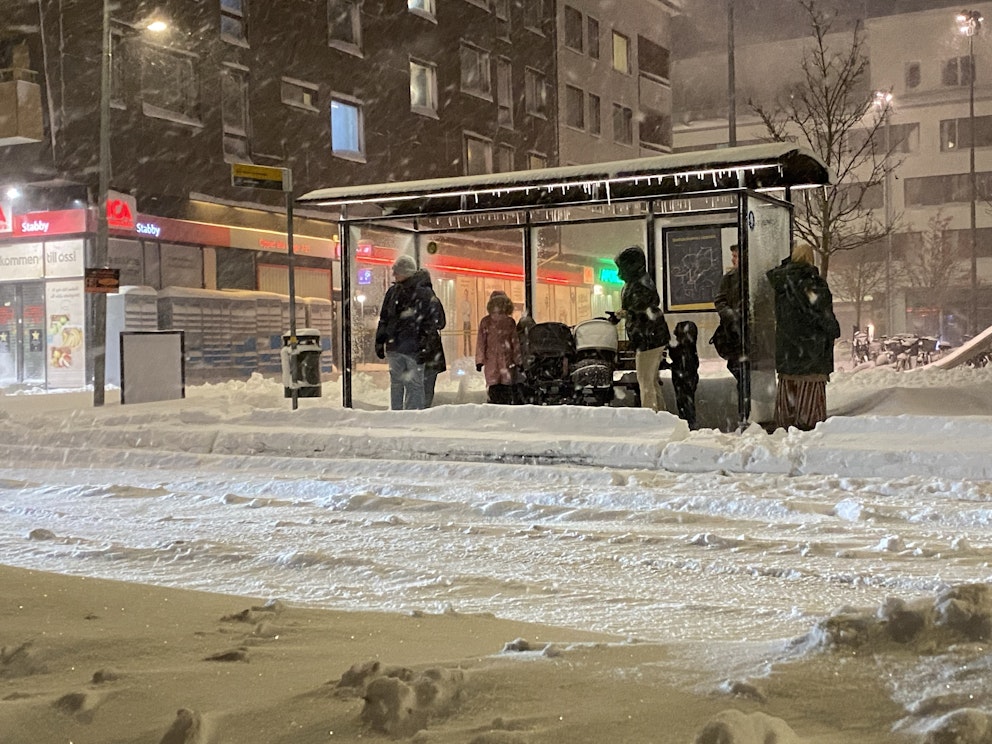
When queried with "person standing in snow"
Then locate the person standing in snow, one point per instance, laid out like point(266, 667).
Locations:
point(805, 331)
point(727, 339)
point(640, 307)
point(497, 348)
point(432, 348)
point(399, 337)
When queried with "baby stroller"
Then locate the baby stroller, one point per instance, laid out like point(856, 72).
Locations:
point(595, 359)
point(548, 358)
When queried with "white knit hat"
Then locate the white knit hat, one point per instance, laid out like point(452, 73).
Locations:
point(404, 266)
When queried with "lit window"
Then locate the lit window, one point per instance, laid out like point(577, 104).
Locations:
point(299, 94)
point(623, 125)
point(476, 77)
point(504, 92)
point(344, 25)
point(425, 7)
point(535, 93)
point(347, 139)
point(575, 104)
point(621, 53)
point(232, 21)
point(478, 155)
point(423, 87)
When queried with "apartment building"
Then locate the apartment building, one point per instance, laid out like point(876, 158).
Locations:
point(924, 60)
point(614, 82)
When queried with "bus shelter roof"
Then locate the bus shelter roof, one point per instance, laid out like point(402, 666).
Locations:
point(773, 166)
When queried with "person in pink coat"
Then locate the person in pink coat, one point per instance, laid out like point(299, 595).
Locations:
point(497, 349)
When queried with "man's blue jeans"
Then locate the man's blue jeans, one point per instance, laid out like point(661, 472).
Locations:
point(406, 382)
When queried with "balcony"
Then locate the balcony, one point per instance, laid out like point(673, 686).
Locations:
point(20, 107)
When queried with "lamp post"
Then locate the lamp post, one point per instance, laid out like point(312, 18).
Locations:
point(883, 102)
point(969, 22)
point(100, 249)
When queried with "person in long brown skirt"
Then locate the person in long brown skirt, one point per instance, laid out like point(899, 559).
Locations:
point(805, 331)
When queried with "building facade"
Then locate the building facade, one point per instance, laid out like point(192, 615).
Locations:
point(337, 92)
point(923, 60)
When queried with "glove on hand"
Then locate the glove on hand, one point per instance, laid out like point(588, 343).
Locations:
point(380, 351)
point(478, 367)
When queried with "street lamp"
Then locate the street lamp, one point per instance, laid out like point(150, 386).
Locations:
point(969, 23)
point(100, 248)
point(883, 102)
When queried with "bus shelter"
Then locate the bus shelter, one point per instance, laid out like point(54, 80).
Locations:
point(548, 239)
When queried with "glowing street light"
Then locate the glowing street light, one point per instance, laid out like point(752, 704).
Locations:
point(883, 103)
point(100, 247)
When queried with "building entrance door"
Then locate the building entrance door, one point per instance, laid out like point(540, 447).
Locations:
point(22, 333)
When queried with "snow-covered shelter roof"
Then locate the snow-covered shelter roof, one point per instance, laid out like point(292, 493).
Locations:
point(771, 166)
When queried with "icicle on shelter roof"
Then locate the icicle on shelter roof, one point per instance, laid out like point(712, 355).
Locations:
point(758, 167)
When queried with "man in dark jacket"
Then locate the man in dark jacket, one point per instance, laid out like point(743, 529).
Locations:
point(805, 331)
point(727, 339)
point(399, 337)
point(647, 330)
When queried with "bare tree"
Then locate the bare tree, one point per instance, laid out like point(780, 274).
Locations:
point(934, 264)
point(858, 278)
point(832, 111)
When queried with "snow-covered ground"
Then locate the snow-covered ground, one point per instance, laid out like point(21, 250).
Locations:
point(609, 519)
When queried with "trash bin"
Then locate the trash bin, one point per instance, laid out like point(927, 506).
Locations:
point(301, 366)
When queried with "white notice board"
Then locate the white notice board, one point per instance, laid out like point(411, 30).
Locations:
point(153, 366)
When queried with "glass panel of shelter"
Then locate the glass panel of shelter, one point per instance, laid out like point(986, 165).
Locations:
point(572, 254)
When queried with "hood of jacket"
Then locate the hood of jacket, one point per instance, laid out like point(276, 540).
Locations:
point(631, 263)
point(421, 278)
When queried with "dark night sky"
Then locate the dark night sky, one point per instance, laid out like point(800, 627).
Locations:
point(704, 23)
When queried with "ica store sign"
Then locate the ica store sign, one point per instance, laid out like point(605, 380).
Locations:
point(6, 216)
point(121, 209)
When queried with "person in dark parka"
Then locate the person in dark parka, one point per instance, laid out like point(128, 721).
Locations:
point(400, 333)
point(727, 339)
point(432, 348)
point(805, 331)
point(645, 323)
